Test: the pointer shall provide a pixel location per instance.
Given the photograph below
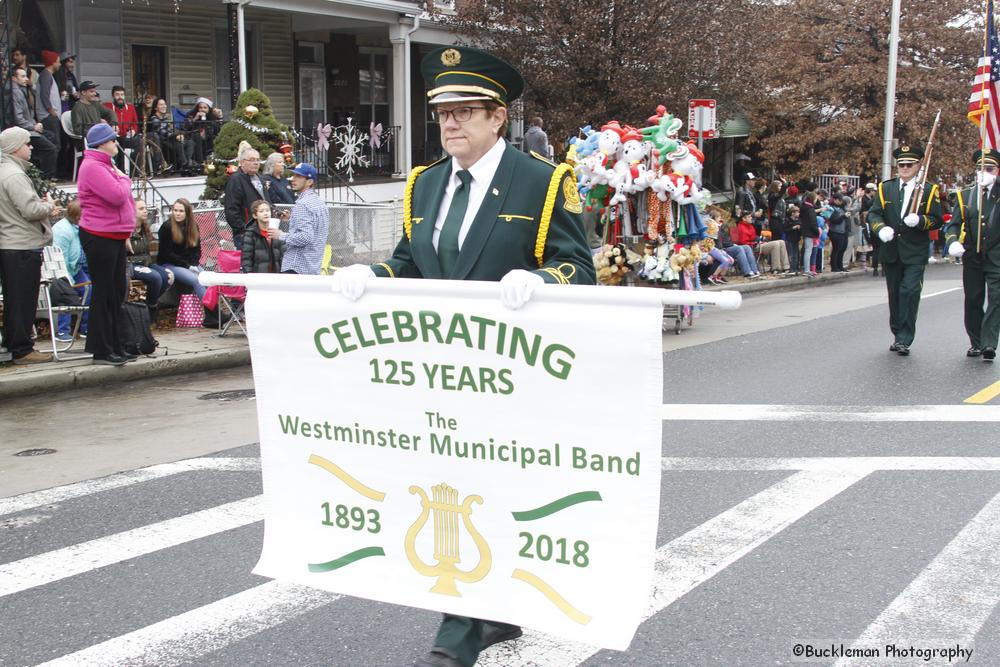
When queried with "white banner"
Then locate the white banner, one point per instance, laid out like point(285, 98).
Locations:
point(426, 446)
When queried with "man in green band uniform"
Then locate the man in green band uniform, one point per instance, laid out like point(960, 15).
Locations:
point(486, 212)
point(974, 235)
point(905, 240)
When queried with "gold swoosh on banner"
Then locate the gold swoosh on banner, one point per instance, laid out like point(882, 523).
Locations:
point(339, 472)
point(565, 607)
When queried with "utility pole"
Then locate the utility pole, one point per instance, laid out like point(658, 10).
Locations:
point(890, 92)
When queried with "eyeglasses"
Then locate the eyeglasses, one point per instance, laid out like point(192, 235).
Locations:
point(460, 114)
point(990, 169)
point(251, 159)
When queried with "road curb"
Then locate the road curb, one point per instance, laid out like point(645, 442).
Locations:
point(65, 378)
point(781, 284)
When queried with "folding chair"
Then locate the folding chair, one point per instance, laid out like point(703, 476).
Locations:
point(54, 268)
point(232, 297)
point(66, 120)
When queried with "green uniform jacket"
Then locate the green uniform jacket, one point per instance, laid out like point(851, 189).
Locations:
point(965, 224)
point(909, 246)
point(530, 219)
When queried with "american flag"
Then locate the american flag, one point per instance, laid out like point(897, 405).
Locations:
point(984, 99)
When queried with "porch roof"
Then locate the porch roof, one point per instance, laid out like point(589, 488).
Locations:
point(358, 9)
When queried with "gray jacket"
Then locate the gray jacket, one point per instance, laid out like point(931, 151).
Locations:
point(536, 140)
point(43, 95)
point(24, 216)
point(23, 115)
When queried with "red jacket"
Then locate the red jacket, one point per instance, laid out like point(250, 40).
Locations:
point(745, 234)
point(127, 118)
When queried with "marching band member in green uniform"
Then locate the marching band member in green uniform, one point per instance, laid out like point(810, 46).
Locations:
point(905, 238)
point(485, 212)
point(976, 239)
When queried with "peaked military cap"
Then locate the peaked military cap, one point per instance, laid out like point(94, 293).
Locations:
point(992, 157)
point(908, 153)
point(456, 73)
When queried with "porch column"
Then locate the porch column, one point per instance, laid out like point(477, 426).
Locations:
point(400, 103)
point(232, 25)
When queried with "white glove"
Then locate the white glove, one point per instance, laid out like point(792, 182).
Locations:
point(911, 220)
point(350, 281)
point(886, 234)
point(516, 287)
point(986, 179)
point(956, 249)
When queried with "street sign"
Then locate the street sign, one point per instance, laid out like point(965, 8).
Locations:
point(701, 119)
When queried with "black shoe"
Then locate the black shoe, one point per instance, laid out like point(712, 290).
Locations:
point(109, 360)
point(894, 347)
point(903, 350)
point(973, 352)
point(438, 657)
point(989, 354)
point(494, 634)
point(129, 356)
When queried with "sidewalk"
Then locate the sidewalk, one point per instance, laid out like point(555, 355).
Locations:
point(180, 351)
point(192, 350)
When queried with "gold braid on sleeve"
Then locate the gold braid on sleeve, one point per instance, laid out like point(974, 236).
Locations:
point(408, 201)
point(547, 208)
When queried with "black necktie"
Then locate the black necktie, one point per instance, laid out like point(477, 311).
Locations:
point(448, 240)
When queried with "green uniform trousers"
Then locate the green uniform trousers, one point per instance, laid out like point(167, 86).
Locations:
point(981, 278)
point(904, 283)
point(463, 636)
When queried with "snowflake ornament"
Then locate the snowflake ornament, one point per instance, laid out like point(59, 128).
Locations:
point(351, 143)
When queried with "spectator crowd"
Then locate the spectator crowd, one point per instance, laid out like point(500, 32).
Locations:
point(57, 111)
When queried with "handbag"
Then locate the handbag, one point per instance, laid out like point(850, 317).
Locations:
point(61, 293)
point(189, 311)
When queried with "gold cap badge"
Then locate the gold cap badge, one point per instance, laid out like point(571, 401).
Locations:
point(450, 57)
point(904, 149)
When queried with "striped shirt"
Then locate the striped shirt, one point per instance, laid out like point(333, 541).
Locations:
point(307, 234)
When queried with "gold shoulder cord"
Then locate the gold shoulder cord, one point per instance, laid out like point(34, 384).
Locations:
point(961, 209)
point(927, 209)
point(547, 208)
point(408, 201)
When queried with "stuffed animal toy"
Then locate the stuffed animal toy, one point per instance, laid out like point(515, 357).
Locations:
point(687, 160)
point(629, 171)
point(663, 134)
point(611, 264)
point(609, 146)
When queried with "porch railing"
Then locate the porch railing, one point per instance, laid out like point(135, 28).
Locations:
point(353, 152)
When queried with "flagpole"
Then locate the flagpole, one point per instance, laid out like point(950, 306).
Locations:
point(982, 132)
point(890, 92)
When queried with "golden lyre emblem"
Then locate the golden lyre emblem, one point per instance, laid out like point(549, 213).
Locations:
point(446, 508)
point(450, 57)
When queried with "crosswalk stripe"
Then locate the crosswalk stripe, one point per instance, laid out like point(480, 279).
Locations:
point(951, 598)
point(59, 564)
point(59, 494)
point(861, 463)
point(830, 413)
point(183, 638)
point(695, 557)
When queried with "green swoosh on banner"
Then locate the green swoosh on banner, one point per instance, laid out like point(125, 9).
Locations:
point(346, 559)
point(557, 505)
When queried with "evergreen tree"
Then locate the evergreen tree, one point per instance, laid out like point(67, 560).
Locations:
point(257, 126)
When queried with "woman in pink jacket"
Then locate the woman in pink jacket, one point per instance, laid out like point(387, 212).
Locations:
point(108, 217)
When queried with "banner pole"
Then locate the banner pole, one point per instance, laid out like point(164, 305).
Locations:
point(582, 294)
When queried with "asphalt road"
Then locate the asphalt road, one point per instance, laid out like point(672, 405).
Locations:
point(817, 491)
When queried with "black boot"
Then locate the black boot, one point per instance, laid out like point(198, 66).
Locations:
point(211, 320)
